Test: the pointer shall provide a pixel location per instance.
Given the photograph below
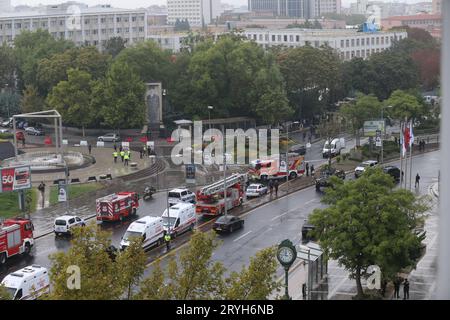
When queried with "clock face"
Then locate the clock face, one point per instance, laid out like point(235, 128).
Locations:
point(286, 255)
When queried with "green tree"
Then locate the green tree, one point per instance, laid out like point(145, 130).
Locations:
point(404, 105)
point(7, 66)
point(366, 107)
point(257, 281)
point(153, 287)
point(31, 100)
point(368, 222)
point(312, 78)
point(273, 107)
point(32, 46)
point(9, 103)
point(124, 94)
point(114, 46)
point(100, 279)
point(131, 266)
point(4, 293)
point(72, 99)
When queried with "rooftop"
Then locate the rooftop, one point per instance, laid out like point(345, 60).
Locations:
point(415, 17)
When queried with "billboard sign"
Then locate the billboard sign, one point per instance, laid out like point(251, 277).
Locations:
point(378, 141)
point(190, 173)
point(14, 179)
point(62, 191)
point(370, 127)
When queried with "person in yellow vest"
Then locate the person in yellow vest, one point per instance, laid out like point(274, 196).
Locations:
point(115, 154)
point(122, 154)
point(129, 154)
point(126, 158)
point(167, 240)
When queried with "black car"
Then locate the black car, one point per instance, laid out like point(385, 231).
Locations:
point(324, 180)
point(306, 232)
point(228, 224)
point(393, 171)
point(300, 149)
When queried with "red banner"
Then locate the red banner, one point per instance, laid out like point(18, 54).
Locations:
point(48, 140)
point(143, 139)
point(129, 139)
point(7, 179)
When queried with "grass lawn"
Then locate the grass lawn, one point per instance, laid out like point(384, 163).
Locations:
point(9, 203)
point(74, 191)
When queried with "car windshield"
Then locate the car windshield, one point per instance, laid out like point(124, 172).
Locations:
point(327, 146)
point(167, 220)
point(174, 195)
point(223, 220)
point(60, 222)
point(252, 187)
point(131, 234)
point(11, 291)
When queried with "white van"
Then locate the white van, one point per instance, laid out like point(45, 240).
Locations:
point(28, 283)
point(181, 218)
point(149, 229)
point(334, 148)
point(181, 195)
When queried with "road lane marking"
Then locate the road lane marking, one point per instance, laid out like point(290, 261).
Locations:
point(245, 234)
point(310, 201)
point(279, 216)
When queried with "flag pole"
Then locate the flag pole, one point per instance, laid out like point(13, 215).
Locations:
point(410, 154)
point(401, 153)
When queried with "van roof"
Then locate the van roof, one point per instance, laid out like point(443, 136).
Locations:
point(178, 190)
point(15, 279)
point(175, 209)
point(142, 223)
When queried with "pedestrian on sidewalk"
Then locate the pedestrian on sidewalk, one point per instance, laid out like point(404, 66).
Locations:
point(129, 154)
point(90, 148)
point(140, 153)
point(406, 289)
point(417, 180)
point(312, 170)
point(41, 188)
point(304, 291)
point(270, 187)
point(423, 145)
point(126, 158)
point(122, 154)
point(276, 185)
point(115, 146)
point(115, 154)
point(396, 288)
point(304, 136)
point(120, 148)
point(23, 142)
point(307, 169)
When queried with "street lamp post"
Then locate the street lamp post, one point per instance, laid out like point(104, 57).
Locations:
point(382, 133)
point(209, 115)
point(224, 173)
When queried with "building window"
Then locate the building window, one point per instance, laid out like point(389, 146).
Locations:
point(297, 38)
point(357, 42)
point(260, 37)
point(273, 38)
point(342, 43)
point(285, 38)
point(373, 41)
point(362, 41)
point(347, 43)
point(291, 38)
point(353, 42)
point(279, 38)
point(378, 40)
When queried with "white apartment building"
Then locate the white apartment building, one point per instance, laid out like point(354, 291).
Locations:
point(91, 26)
point(197, 12)
point(347, 43)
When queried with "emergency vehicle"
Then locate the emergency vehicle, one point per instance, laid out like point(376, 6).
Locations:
point(28, 283)
point(181, 218)
point(275, 168)
point(149, 229)
point(210, 199)
point(117, 206)
point(16, 237)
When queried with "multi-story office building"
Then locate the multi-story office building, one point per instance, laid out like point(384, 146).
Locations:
point(307, 9)
point(347, 43)
point(89, 26)
point(197, 12)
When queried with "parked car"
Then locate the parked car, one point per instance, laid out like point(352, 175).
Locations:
point(324, 180)
point(109, 137)
point(359, 170)
point(228, 224)
point(64, 224)
point(33, 131)
point(256, 190)
point(22, 125)
point(393, 171)
point(7, 123)
point(306, 232)
point(299, 149)
point(4, 130)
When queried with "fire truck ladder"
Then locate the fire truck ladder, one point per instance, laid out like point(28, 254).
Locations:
point(219, 185)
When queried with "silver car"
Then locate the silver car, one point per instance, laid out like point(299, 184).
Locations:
point(256, 190)
point(109, 137)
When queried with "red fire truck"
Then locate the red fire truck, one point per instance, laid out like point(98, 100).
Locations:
point(211, 200)
point(275, 169)
point(117, 206)
point(16, 237)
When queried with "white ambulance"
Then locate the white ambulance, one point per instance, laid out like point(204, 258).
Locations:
point(181, 218)
point(149, 229)
point(28, 283)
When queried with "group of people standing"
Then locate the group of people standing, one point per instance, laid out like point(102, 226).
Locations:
point(308, 168)
point(397, 283)
point(273, 184)
point(125, 155)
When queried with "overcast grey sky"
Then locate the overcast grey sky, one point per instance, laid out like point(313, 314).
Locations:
point(145, 3)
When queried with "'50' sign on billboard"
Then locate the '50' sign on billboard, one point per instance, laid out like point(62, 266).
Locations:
point(13, 179)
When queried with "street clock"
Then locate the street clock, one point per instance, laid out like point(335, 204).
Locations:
point(286, 253)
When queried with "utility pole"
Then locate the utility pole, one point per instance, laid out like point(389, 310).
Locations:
point(224, 173)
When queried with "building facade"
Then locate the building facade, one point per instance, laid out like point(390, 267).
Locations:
point(197, 12)
point(347, 43)
point(307, 9)
point(92, 26)
point(430, 22)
